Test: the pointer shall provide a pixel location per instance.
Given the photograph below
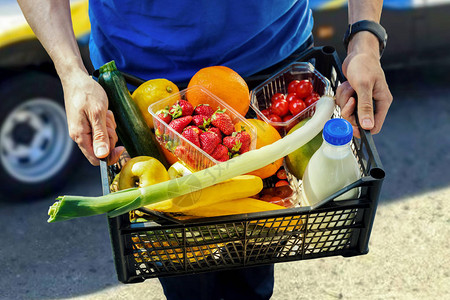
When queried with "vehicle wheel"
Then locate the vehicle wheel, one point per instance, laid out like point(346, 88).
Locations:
point(36, 152)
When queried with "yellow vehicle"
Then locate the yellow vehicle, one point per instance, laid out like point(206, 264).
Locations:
point(36, 152)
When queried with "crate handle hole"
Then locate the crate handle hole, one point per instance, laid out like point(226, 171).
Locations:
point(328, 50)
point(377, 173)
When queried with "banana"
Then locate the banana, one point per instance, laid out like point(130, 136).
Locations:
point(233, 207)
point(235, 188)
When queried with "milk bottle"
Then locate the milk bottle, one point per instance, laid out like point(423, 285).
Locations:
point(332, 167)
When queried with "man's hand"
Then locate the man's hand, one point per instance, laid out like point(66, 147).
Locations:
point(91, 124)
point(366, 78)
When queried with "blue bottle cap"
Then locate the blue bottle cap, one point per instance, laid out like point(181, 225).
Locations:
point(337, 131)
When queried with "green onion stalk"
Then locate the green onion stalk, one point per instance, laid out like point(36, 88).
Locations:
point(115, 204)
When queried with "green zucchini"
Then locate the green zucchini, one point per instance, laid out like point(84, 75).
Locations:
point(132, 129)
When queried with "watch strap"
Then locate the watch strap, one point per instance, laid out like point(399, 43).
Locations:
point(366, 25)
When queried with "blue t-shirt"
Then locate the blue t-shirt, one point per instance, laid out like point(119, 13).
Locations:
point(173, 39)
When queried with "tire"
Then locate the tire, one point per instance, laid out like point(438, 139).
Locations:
point(36, 152)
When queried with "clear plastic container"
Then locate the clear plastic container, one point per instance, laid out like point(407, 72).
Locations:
point(260, 97)
point(192, 156)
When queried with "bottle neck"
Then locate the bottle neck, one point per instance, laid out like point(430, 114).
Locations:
point(335, 151)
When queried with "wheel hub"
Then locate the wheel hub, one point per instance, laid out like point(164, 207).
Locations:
point(34, 142)
point(22, 134)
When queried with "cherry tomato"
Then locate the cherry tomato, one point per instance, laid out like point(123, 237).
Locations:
point(290, 125)
point(282, 191)
point(304, 89)
point(281, 174)
point(274, 118)
point(277, 96)
point(277, 200)
point(287, 117)
point(291, 96)
point(281, 183)
point(311, 99)
point(296, 107)
point(266, 197)
point(265, 112)
point(292, 87)
point(280, 107)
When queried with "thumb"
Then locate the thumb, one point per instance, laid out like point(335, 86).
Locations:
point(100, 139)
point(365, 110)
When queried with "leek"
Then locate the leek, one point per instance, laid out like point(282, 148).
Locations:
point(115, 204)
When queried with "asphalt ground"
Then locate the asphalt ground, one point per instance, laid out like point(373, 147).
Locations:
point(408, 257)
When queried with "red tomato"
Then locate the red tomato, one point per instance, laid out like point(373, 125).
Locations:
point(266, 197)
point(292, 87)
point(291, 96)
point(296, 107)
point(304, 89)
point(281, 174)
point(274, 118)
point(282, 191)
point(290, 125)
point(281, 183)
point(277, 200)
point(277, 96)
point(287, 118)
point(280, 108)
point(312, 99)
point(265, 112)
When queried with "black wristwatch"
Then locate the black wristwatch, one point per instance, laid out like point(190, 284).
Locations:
point(370, 26)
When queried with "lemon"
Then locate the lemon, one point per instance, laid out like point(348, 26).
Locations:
point(150, 92)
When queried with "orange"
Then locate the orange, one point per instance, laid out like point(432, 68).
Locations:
point(171, 159)
point(266, 134)
point(223, 82)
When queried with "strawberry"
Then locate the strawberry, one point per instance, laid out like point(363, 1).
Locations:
point(185, 155)
point(201, 121)
point(195, 128)
point(192, 135)
point(216, 131)
point(220, 153)
point(164, 115)
point(232, 143)
point(179, 124)
point(208, 141)
point(245, 139)
point(181, 109)
point(180, 151)
point(204, 109)
point(223, 122)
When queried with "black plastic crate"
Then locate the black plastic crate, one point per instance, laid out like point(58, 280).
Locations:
point(165, 246)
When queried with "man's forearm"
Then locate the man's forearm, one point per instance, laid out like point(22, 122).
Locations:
point(51, 22)
point(364, 10)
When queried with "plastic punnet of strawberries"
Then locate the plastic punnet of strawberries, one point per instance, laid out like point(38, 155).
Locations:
point(210, 130)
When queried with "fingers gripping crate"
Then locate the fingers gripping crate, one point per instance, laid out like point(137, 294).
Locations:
point(166, 246)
